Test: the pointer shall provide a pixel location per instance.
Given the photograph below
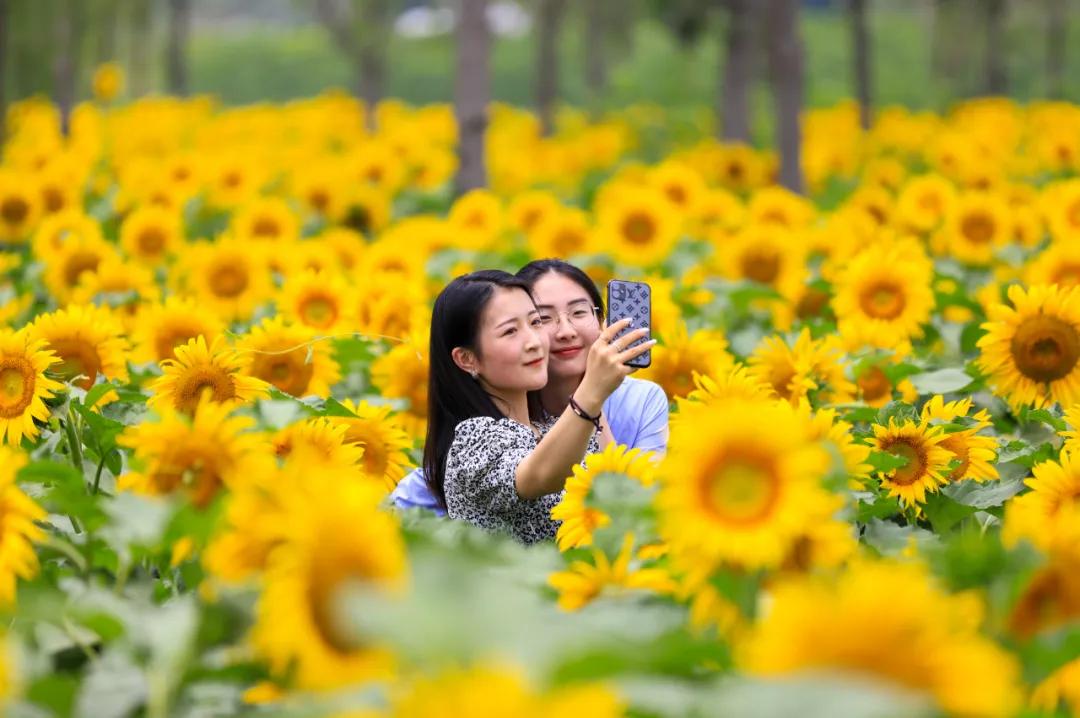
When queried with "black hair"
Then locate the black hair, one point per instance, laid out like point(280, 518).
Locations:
point(532, 272)
point(453, 395)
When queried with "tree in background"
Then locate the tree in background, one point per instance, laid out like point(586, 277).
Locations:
point(995, 52)
point(549, 17)
point(733, 97)
point(860, 51)
point(141, 18)
point(176, 52)
point(68, 32)
point(361, 29)
point(472, 92)
point(786, 68)
point(597, 14)
point(1057, 19)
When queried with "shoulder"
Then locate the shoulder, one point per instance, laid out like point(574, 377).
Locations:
point(485, 427)
point(637, 394)
point(484, 436)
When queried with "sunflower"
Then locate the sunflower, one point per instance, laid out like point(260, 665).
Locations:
point(150, 234)
point(1048, 516)
point(268, 219)
point(735, 383)
point(578, 520)
point(478, 217)
point(1051, 598)
point(528, 210)
point(1031, 349)
point(195, 455)
point(61, 185)
point(584, 582)
point(884, 292)
point(321, 301)
point(319, 441)
point(640, 226)
point(18, 516)
point(402, 373)
point(979, 224)
point(1061, 205)
point(780, 206)
point(375, 165)
point(681, 184)
point(739, 168)
point(1062, 687)
point(924, 202)
point(88, 340)
point(300, 626)
point(766, 254)
point(921, 445)
point(828, 428)
point(1058, 264)
point(160, 328)
point(384, 259)
point(233, 179)
point(375, 429)
point(118, 285)
point(808, 367)
point(719, 213)
point(320, 188)
point(927, 641)
point(23, 384)
point(874, 387)
point(367, 210)
point(562, 234)
point(199, 369)
point(740, 482)
point(107, 81)
point(977, 454)
point(20, 206)
point(229, 277)
point(388, 307)
point(55, 229)
point(876, 202)
point(675, 362)
point(66, 265)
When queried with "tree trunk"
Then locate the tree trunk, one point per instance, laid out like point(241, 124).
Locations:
point(549, 20)
point(65, 59)
point(1056, 38)
point(786, 70)
point(595, 60)
point(371, 60)
point(107, 22)
point(996, 77)
point(860, 43)
point(141, 29)
point(951, 46)
point(472, 92)
point(176, 53)
point(5, 19)
point(733, 100)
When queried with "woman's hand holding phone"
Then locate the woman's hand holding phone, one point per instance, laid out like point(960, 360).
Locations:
point(606, 365)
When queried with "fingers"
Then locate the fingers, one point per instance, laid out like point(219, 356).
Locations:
point(629, 338)
point(628, 354)
point(612, 329)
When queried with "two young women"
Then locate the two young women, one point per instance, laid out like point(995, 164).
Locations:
point(507, 355)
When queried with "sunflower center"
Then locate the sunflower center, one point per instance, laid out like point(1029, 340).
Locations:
point(266, 227)
point(151, 240)
point(566, 242)
point(200, 380)
point(958, 445)
point(780, 377)
point(197, 475)
point(318, 311)
point(1045, 348)
point(228, 281)
point(16, 386)
point(327, 580)
point(874, 384)
point(740, 488)
point(930, 203)
point(977, 228)
point(734, 171)
point(232, 180)
point(78, 263)
point(1073, 214)
point(1067, 275)
point(882, 300)
point(375, 457)
point(811, 303)
point(319, 199)
point(676, 194)
point(287, 372)
point(77, 357)
point(916, 462)
point(54, 199)
point(761, 266)
point(14, 210)
point(639, 229)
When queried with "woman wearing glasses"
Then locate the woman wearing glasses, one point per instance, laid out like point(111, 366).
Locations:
point(568, 304)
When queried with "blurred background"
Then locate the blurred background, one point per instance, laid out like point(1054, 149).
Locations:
point(921, 53)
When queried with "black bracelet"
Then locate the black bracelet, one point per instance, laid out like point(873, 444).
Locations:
point(576, 408)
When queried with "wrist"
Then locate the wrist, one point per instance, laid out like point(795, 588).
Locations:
point(588, 401)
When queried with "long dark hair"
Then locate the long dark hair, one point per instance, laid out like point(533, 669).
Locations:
point(453, 395)
point(535, 269)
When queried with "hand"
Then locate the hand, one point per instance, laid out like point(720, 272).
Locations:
point(605, 367)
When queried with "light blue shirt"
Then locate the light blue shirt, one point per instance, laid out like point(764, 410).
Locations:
point(637, 412)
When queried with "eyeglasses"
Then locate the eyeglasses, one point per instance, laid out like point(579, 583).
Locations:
point(581, 317)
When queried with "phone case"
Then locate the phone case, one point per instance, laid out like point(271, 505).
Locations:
point(634, 300)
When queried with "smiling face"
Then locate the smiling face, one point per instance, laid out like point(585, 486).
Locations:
point(574, 325)
point(512, 345)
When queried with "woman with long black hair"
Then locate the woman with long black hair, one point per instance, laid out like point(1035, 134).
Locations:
point(492, 457)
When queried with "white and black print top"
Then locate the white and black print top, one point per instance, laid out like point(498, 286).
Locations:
point(479, 478)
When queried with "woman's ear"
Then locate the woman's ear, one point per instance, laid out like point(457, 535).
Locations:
point(466, 360)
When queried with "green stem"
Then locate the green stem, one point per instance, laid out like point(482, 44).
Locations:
point(97, 476)
point(74, 446)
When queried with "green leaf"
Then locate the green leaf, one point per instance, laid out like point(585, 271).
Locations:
point(55, 691)
point(884, 462)
point(882, 508)
point(96, 392)
point(1044, 416)
point(942, 381)
point(970, 337)
point(983, 495)
point(943, 512)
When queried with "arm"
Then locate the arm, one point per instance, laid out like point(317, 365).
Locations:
point(545, 469)
point(653, 433)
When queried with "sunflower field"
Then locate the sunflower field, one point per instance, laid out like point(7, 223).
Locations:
point(213, 372)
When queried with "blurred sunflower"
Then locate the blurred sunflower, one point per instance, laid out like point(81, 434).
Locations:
point(1057, 264)
point(267, 219)
point(150, 234)
point(809, 367)
point(317, 442)
point(675, 362)
point(1048, 516)
point(117, 284)
point(229, 277)
point(301, 628)
point(197, 455)
point(1061, 206)
point(19, 517)
point(66, 265)
point(161, 327)
point(375, 429)
point(1059, 691)
point(735, 383)
point(388, 307)
point(780, 206)
point(287, 356)
point(54, 231)
point(579, 520)
point(925, 202)
point(528, 210)
point(402, 373)
point(562, 233)
point(1031, 349)
point(921, 446)
point(979, 224)
point(977, 454)
point(320, 188)
point(199, 369)
point(769, 255)
point(681, 184)
point(88, 341)
point(233, 179)
point(874, 387)
point(322, 301)
point(828, 428)
point(928, 641)
point(639, 227)
point(1050, 600)
point(107, 81)
point(740, 482)
point(20, 206)
point(23, 384)
point(583, 582)
point(478, 216)
point(367, 210)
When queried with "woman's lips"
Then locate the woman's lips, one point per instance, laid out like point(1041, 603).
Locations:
point(569, 353)
point(534, 362)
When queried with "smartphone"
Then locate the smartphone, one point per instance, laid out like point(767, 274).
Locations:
point(633, 300)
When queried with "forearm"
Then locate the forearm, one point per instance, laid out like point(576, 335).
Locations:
point(545, 470)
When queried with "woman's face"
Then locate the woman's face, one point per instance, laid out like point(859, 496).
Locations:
point(571, 321)
point(513, 346)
